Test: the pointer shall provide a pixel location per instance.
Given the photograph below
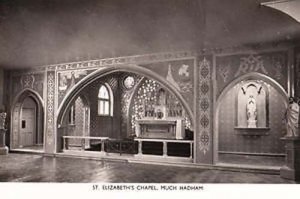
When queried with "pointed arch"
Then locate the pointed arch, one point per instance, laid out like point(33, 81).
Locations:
point(73, 92)
point(131, 68)
point(15, 112)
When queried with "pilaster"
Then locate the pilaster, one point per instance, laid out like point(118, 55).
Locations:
point(292, 168)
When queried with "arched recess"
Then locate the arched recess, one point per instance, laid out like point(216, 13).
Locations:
point(246, 77)
point(77, 121)
point(16, 114)
point(75, 91)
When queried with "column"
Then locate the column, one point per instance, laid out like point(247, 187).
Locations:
point(140, 152)
point(66, 143)
point(165, 149)
point(83, 144)
point(291, 170)
point(3, 147)
point(191, 150)
point(62, 142)
point(102, 145)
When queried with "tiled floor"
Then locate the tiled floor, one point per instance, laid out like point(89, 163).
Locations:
point(35, 168)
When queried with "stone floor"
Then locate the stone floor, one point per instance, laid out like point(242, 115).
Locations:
point(34, 147)
point(252, 160)
point(17, 167)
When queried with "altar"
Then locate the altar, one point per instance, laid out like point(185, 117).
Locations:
point(168, 128)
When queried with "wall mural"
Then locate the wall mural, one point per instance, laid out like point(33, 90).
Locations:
point(180, 74)
point(86, 67)
point(67, 79)
point(272, 64)
point(204, 104)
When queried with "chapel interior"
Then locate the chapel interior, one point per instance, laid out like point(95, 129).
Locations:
point(179, 82)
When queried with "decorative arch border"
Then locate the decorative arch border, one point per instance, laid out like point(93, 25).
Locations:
point(245, 77)
point(132, 68)
point(15, 112)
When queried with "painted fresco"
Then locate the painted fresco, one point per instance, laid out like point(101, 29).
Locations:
point(67, 79)
point(180, 74)
point(272, 64)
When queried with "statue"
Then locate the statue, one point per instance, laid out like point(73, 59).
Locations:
point(251, 112)
point(161, 98)
point(292, 118)
point(2, 120)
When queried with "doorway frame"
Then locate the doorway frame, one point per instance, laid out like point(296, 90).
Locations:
point(15, 113)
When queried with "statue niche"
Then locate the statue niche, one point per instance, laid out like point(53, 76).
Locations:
point(252, 105)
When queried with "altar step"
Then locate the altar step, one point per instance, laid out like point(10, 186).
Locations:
point(173, 149)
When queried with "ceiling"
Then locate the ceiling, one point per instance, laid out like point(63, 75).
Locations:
point(41, 32)
point(290, 7)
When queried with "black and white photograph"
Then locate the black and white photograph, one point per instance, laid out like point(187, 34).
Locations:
point(149, 98)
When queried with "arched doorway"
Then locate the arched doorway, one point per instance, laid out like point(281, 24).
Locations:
point(27, 122)
point(241, 138)
point(108, 79)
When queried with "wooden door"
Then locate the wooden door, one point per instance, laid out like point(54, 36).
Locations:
point(28, 127)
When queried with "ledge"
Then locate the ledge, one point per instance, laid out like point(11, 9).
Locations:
point(259, 131)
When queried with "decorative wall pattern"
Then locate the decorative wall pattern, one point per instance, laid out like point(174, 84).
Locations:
point(205, 105)
point(126, 95)
point(137, 59)
point(34, 81)
point(50, 111)
point(272, 64)
point(77, 129)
